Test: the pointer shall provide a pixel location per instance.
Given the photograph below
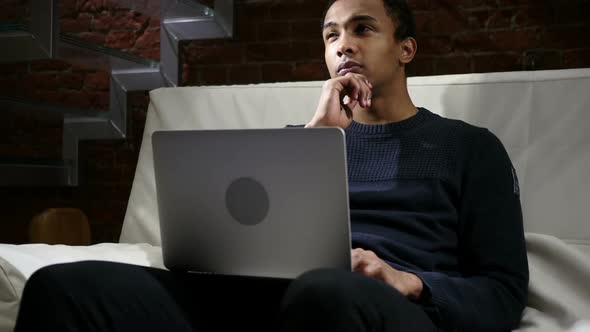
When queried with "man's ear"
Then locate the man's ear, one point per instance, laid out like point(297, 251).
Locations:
point(408, 46)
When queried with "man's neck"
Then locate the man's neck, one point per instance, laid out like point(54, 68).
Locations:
point(389, 104)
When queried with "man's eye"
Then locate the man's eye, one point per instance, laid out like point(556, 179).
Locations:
point(331, 35)
point(363, 28)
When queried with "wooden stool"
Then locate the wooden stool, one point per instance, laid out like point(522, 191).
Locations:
point(66, 226)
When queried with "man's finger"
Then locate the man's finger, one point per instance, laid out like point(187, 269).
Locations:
point(348, 108)
point(357, 258)
point(373, 270)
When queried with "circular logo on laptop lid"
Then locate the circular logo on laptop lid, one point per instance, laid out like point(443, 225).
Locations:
point(247, 201)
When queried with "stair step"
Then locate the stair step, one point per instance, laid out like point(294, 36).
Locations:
point(33, 173)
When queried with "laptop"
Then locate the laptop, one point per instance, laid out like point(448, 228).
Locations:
point(253, 202)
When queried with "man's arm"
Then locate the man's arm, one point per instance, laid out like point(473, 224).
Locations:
point(492, 292)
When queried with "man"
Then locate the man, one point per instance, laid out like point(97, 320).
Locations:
point(436, 221)
point(434, 201)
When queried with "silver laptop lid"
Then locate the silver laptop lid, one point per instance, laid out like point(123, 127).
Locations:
point(254, 202)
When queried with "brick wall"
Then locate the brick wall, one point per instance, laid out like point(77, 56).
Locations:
point(106, 167)
point(275, 41)
point(281, 40)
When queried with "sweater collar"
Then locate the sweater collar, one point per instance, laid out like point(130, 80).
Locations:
point(393, 127)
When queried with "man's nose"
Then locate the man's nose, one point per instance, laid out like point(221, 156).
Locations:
point(346, 45)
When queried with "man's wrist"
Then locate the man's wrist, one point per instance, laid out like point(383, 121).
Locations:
point(312, 123)
point(416, 286)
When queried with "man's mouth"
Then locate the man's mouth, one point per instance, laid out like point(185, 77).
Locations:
point(348, 67)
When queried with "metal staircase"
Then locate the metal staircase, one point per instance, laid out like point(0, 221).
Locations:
point(180, 20)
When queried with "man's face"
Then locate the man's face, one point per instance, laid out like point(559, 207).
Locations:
point(359, 37)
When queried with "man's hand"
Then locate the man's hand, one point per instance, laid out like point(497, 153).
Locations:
point(340, 96)
point(366, 262)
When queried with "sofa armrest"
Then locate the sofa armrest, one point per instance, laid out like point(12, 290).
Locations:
point(19, 262)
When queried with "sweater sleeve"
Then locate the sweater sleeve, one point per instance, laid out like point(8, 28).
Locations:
point(491, 291)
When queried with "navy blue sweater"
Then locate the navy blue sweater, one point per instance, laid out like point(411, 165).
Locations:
point(440, 198)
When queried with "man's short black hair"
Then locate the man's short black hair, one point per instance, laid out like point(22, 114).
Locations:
point(401, 15)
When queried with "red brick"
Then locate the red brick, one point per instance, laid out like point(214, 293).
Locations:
point(309, 50)
point(112, 5)
point(51, 97)
point(190, 75)
point(138, 99)
point(82, 99)
point(253, 11)
point(67, 8)
point(542, 60)
point(49, 65)
point(154, 22)
point(423, 22)
point(292, 10)
point(532, 17)
point(497, 62)
point(312, 71)
point(279, 72)
point(453, 64)
point(512, 3)
point(70, 81)
point(102, 100)
point(214, 54)
point(282, 51)
point(306, 30)
point(514, 40)
point(99, 81)
point(449, 22)
point(478, 19)
point(245, 30)
point(208, 3)
point(417, 5)
point(273, 31)
point(421, 66)
point(91, 5)
point(571, 12)
point(93, 37)
point(567, 37)
point(469, 4)
point(148, 53)
point(129, 20)
point(149, 39)
point(76, 25)
point(13, 68)
point(434, 45)
point(244, 74)
point(500, 19)
point(7, 87)
point(214, 75)
point(120, 39)
point(76, 99)
point(41, 81)
point(577, 58)
point(103, 21)
point(269, 52)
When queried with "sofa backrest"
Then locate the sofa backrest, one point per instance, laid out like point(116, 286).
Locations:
point(542, 118)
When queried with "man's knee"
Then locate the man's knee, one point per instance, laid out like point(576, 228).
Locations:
point(53, 281)
point(333, 285)
point(325, 290)
point(322, 284)
point(324, 299)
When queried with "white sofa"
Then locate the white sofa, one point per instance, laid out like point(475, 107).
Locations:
point(543, 119)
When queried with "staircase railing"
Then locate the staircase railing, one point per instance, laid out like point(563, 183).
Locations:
point(180, 20)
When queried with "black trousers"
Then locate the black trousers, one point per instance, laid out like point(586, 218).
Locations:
point(105, 296)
